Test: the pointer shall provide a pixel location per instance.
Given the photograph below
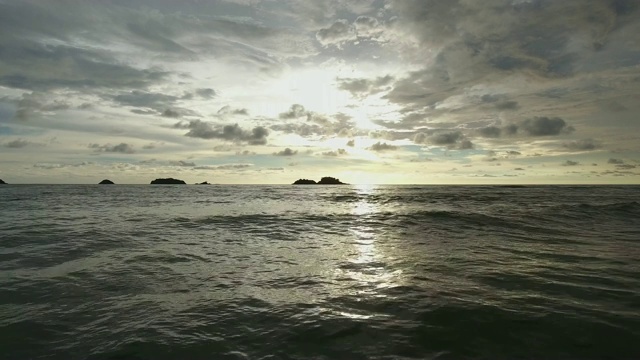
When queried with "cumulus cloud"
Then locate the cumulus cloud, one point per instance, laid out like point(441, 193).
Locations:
point(229, 110)
point(543, 126)
point(295, 111)
point(351, 143)
point(286, 152)
point(366, 26)
point(582, 145)
point(339, 32)
point(380, 146)
point(338, 152)
point(234, 133)
point(122, 148)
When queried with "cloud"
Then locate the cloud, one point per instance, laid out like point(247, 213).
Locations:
point(335, 153)
point(360, 87)
point(206, 93)
point(615, 161)
point(223, 167)
point(339, 32)
point(139, 98)
point(543, 126)
point(295, 111)
point(122, 148)
point(382, 147)
point(536, 126)
point(204, 130)
point(182, 163)
point(366, 26)
point(229, 110)
point(16, 144)
point(570, 163)
point(171, 113)
point(582, 145)
point(286, 152)
point(351, 143)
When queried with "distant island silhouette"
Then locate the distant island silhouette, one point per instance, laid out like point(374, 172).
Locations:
point(327, 180)
point(106, 182)
point(2, 182)
point(203, 183)
point(167, 181)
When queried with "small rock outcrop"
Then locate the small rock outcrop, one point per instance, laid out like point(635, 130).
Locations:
point(106, 182)
point(203, 183)
point(327, 180)
point(167, 181)
point(2, 182)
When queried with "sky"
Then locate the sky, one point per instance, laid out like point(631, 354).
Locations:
point(368, 91)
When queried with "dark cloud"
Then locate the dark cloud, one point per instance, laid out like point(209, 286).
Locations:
point(543, 126)
point(205, 130)
point(570, 163)
point(447, 138)
point(507, 105)
point(339, 32)
point(123, 148)
point(295, 111)
point(206, 93)
point(16, 144)
point(615, 161)
point(625, 166)
point(359, 87)
point(537, 126)
point(139, 98)
point(286, 152)
point(490, 131)
point(582, 145)
point(229, 110)
point(351, 143)
point(171, 113)
point(338, 152)
point(379, 146)
point(36, 66)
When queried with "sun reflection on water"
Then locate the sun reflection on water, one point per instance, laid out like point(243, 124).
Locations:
point(367, 264)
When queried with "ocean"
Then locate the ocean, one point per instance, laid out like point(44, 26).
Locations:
point(319, 272)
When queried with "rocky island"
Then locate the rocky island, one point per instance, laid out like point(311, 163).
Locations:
point(203, 183)
point(327, 180)
point(2, 182)
point(171, 181)
point(106, 182)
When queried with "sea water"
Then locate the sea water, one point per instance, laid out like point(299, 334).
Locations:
point(319, 272)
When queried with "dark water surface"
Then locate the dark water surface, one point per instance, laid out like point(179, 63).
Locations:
point(347, 272)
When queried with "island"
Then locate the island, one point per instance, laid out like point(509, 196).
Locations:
point(203, 183)
point(327, 180)
point(2, 182)
point(106, 182)
point(171, 181)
